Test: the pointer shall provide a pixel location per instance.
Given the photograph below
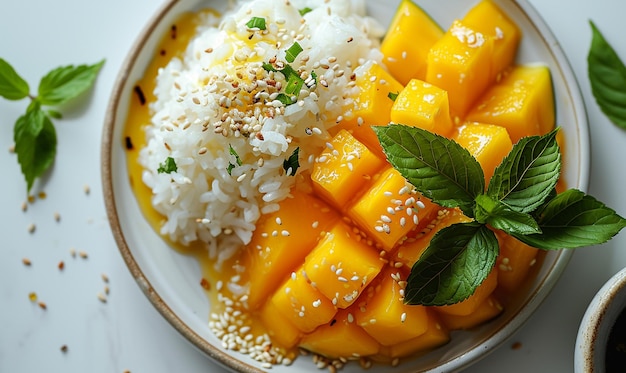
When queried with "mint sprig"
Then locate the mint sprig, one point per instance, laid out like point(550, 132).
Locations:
point(520, 200)
point(34, 133)
point(607, 75)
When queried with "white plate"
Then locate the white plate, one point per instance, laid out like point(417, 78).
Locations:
point(170, 280)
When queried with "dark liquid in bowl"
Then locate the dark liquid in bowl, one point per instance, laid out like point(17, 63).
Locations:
point(616, 346)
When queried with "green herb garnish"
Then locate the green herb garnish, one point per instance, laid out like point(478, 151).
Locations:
point(292, 52)
point(256, 23)
point(392, 96)
point(607, 75)
point(285, 99)
point(304, 11)
point(519, 200)
point(34, 133)
point(291, 164)
point(231, 165)
point(168, 166)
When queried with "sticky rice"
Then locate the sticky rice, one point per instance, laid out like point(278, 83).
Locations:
point(220, 113)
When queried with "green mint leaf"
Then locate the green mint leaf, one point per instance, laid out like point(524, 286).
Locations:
point(231, 165)
point(573, 219)
point(12, 86)
point(528, 174)
point(456, 262)
point(65, 83)
point(54, 114)
point(607, 75)
point(304, 11)
point(168, 166)
point(256, 23)
point(35, 143)
point(438, 167)
point(293, 52)
point(501, 216)
point(291, 164)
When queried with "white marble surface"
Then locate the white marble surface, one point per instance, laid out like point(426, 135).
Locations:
point(126, 333)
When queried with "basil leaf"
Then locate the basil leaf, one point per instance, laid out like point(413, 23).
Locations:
point(12, 86)
point(500, 216)
point(293, 52)
point(168, 166)
point(573, 219)
point(65, 83)
point(291, 164)
point(456, 262)
point(256, 23)
point(438, 167)
point(607, 75)
point(35, 143)
point(528, 174)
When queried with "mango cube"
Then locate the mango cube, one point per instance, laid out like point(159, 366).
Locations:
point(390, 209)
point(342, 265)
point(460, 63)
point(522, 102)
point(372, 105)
point(435, 335)
point(341, 337)
point(409, 37)
point(489, 308)
point(281, 241)
point(488, 143)
point(487, 18)
point(302, 304)
point(281, 331)
point(340, 173)
point(515, 261)
point(384, 315)
point(423, 105)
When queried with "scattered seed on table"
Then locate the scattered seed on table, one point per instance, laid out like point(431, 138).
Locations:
point(32, 296)
point(26, 262)
point(57, 217)
point(86, 189)
point(102, 298)
point(61, 265)
point(31, 228)
point(105, 278)
point(42, 305)
point(64, 348)
point(82, 254)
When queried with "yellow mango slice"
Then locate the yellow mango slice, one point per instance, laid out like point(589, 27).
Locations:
point(341, 337)
point(515, 261)
point(487, 18)
point(282, 332)
point(410, 35)
point(342, 265)
point(372, 105)
point(522, 102)
point(340, 173)
point(485, 311)
point(460, 63)
point(435, 335)
point(390, 209)
point(423, 105)
point(384, 315)
point(410, 251)
point(302, 304)
point(488, 143)
point(281, 241)
point(469, 305)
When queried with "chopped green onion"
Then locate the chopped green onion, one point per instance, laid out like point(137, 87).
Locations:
point(294, 85)
point(293, 52)
point(393, 96)
point(304, 11)
point(168, 166)
point(232, 151)
point(256, 23)
point(291, 164)
point(285, 99)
